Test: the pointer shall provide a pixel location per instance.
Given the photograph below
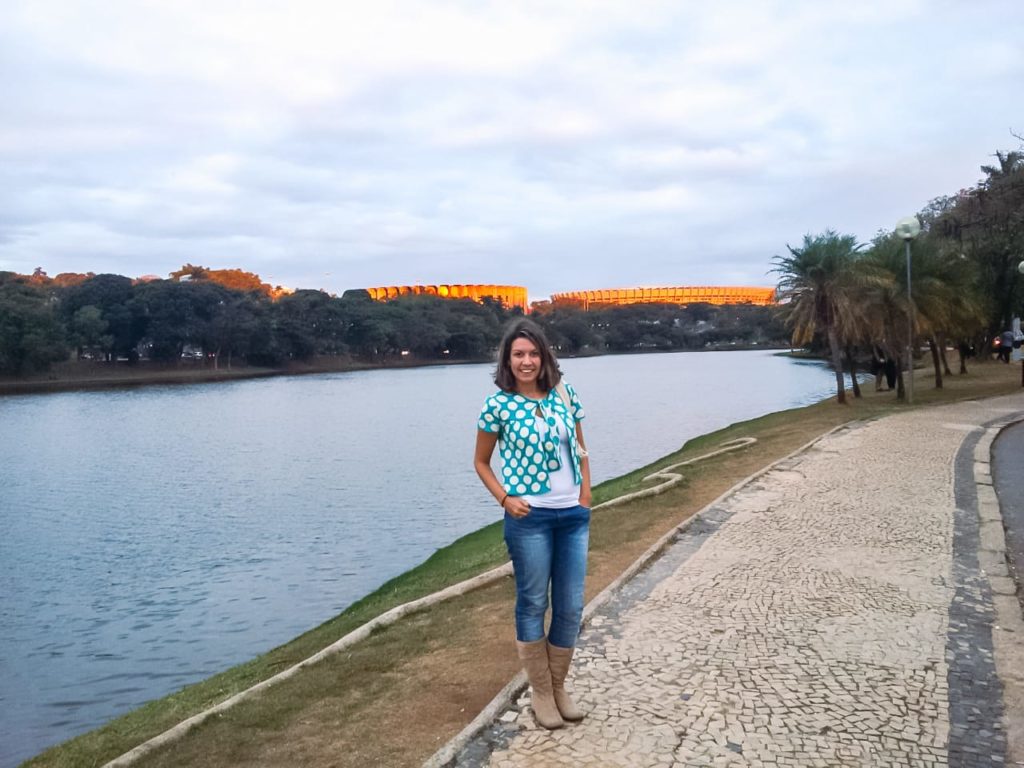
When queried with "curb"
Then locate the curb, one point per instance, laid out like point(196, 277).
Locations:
point(993, 563)
point(445, 755)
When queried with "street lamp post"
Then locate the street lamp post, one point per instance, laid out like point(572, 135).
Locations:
point(907, 229)
point(1017, 334)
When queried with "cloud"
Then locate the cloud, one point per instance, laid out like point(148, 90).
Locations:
point(531, 143)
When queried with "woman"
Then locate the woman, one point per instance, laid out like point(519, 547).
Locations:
point(545, 492)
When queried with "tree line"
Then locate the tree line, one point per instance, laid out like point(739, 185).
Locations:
point(111, 317)
point(660, 327)
point(226, 316)
point(848, 298)
point(964, 283)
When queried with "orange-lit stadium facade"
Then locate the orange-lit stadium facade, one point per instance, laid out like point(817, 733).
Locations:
point(509, 295)
point(689, 294)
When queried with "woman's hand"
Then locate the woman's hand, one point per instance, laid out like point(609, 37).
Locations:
point(586, 498)
point(516, 506)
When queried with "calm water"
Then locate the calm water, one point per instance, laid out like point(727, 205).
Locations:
point(152, 537)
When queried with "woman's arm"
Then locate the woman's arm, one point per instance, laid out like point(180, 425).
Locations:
point(485, 442)
point(585, 495)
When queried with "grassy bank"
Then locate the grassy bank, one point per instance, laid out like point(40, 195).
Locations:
point(393, 699)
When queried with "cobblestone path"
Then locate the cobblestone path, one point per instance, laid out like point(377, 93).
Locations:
point(832, 612)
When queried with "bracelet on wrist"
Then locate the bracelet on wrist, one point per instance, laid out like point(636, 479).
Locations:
point(503, 500)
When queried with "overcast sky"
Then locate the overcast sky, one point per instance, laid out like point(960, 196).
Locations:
point(556, 145)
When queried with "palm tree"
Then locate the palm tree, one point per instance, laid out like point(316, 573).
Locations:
point(1009, 164)
point(882, 307)
point(961, 312)
point(944, 302)
point(816, 288)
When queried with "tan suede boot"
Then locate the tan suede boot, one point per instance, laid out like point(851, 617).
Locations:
point(559, 661)
point(535, 661)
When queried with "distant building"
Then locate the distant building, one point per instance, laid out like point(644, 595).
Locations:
point(666, 295)
point(509, 295)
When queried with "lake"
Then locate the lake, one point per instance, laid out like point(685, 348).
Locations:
point(154, 536)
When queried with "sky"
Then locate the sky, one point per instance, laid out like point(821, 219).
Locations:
point(557, 145)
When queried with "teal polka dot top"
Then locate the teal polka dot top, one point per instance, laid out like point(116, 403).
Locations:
point(527, 457)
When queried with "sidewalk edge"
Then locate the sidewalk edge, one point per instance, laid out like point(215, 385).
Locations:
point(1008, 624)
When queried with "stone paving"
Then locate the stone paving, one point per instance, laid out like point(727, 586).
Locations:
point(832, 612)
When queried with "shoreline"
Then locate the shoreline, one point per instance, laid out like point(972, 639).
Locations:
point(121, 375)
point(395, 590)
point(111, 378)
point(467, 556)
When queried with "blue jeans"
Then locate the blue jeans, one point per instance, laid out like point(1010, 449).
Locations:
point(549, 547)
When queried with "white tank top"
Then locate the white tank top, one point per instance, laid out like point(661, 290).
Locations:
point(564, 491)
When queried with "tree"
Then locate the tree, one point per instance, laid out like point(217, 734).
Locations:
point(942, 289)
point(234, 328)
point(568, 329)
point(9, 278)
point(67, 279)
point(88, 331)
point(816, 284)
point(174, 314)
point(369, 325)
point(312, 323)
point(233, 279)
point(192, 271)
point(31, 334)
point(472, 330)
point(986, 224)
point(111, 295)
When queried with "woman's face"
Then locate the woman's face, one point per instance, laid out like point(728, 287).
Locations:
point(524, 358)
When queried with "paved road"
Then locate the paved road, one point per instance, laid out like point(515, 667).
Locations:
point(1008, 478)
point(833, 612)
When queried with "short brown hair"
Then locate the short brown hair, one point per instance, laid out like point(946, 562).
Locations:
point(521, 328)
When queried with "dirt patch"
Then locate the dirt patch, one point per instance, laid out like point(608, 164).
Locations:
point(392, 701)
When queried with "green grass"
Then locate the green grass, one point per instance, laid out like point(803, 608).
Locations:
point(617, 534)
point(466, 557)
